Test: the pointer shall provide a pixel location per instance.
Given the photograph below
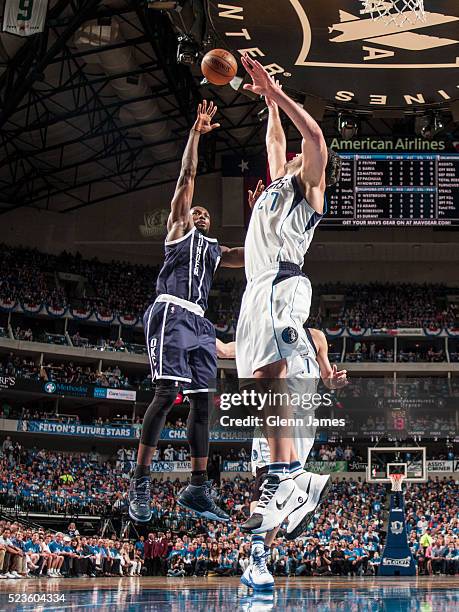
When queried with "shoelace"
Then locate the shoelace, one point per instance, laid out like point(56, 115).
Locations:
point(268, 488)
point(142, 492)
point(260, 563)
point(208, 494)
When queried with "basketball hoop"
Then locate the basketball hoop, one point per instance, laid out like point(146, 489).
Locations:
point(396, 480)
point(396, 12)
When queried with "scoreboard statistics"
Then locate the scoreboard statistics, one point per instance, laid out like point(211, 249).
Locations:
point(395, 190)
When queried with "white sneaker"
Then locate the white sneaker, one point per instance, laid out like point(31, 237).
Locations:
point(279, 498)
point(315, 487)
point(14, 574)
point(304, 480)
point(257, 576)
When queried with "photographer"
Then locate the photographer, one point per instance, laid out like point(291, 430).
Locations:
point(322, 563)
point(338, 559)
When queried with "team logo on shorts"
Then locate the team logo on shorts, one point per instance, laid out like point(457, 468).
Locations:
point(254, 455)
point(289, 335)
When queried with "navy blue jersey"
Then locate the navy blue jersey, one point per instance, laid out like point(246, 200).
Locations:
point(189, 266)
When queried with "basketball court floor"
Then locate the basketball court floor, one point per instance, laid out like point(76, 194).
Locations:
point(427, 594)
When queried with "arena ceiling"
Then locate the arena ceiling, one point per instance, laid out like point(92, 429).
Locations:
point(97, 106)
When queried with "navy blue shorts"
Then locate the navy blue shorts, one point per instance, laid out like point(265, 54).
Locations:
point(181, 346)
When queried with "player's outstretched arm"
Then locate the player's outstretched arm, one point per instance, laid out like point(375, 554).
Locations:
point(226, 350)
point(330, 375)
point(232, 258)
point(314, 147)
point(276, 143)
point(179, 221)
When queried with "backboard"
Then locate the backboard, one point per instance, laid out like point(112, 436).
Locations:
point(407, 460)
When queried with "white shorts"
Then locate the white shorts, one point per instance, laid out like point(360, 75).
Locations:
point(274, 309)
point(303, 440)
point(302, 433)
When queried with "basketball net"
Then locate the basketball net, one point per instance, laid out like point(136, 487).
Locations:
point(396, 12)
point(396, 480)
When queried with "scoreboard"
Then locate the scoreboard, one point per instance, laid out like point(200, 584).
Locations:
point(395, 190)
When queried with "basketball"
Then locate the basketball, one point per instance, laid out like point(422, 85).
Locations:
point(219, 66)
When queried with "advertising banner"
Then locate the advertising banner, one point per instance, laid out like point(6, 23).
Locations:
point(237, 466)
point(78, 429)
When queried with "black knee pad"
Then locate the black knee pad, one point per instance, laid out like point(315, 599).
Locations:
point(155, 417)
point(198, 425)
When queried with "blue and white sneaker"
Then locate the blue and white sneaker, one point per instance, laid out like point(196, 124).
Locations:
point(139, 499)
point(199, 500)
point(257, 575)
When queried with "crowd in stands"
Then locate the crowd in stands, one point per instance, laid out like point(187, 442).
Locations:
point(16, 365)
point(27, 552)
point(371, 352)
point(23, 334)
point(105, 344)
point(51, 481)
point(333, 452)
point(26, 334)
point(71, 373)
point(429, 355)
point(344, 538)
point(387, 305)
point(30, 276)
point(363, 351)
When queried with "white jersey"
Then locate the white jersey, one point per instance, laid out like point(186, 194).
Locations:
point(281, 227)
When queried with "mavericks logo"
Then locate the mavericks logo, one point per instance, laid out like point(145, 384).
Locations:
point(338, 53)
point(289, 335)
point(396, 527)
